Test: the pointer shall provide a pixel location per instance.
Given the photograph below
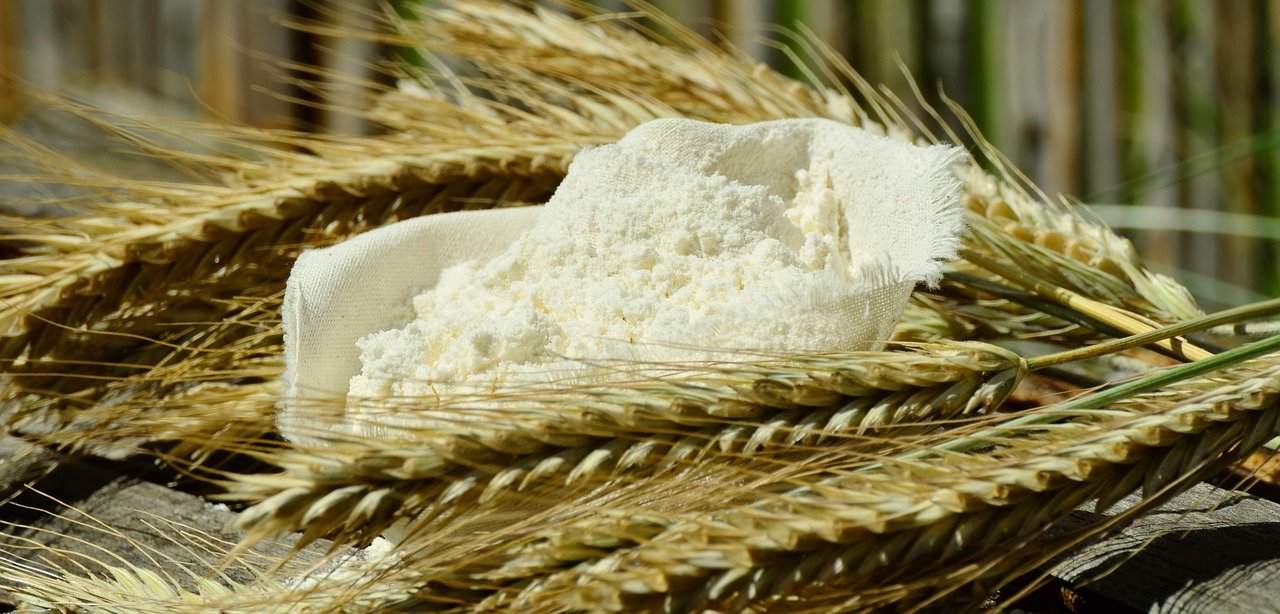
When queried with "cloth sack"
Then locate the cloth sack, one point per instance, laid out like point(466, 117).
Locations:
point(338, 294)
point(901, 213)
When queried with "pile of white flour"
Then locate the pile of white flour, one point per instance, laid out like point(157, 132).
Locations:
point(682, 238)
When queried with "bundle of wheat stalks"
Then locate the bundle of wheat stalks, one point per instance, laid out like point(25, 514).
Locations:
point(148, 323)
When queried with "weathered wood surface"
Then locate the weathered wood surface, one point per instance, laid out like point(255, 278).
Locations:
point(21, 462)
point(1208, 550)
point(93, 512)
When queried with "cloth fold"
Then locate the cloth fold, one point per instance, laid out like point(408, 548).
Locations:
point(338, 294)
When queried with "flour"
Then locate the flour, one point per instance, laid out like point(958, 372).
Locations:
point(677, 243)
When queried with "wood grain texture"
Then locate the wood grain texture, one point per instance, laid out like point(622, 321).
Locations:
point(1039, 90)
point(1208, 550)
point(9, 32)
point(21, 462)
point(1237, 64)
point(1271, 128)
point(1101, 164)
point(82, 512)
point(744, 24)
point(1195, 105)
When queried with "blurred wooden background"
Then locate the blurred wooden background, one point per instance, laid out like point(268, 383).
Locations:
point(1164, 114)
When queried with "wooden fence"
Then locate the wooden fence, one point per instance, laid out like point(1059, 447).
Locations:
point(1171, 107)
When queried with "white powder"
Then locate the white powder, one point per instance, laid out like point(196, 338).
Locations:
point(754, 237)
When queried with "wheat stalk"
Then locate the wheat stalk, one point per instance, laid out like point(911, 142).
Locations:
point(215, 386)
point(124, 253)
point(173, 316)
point(47, 578)
point(896, 414)
point(174, 254)
point(831, 479)
point(918, 508)
point(361, 487)
point(212, 382)
point(106, 287)
point(177, 574)
point(73, 287)
point(701, 81)
point(692, 77)
point(603, 106)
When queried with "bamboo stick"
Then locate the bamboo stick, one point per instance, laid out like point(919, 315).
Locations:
point(1198, 134)
point(1236, 66)
point(1100, 126)
point(744, 24)
point(1271, 125)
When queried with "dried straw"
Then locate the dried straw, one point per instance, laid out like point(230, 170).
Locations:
point(588, 54)
point(864, 527)
point(523, 439)
point(826, 480)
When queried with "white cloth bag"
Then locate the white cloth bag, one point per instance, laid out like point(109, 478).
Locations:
point(336, 295)
point(901, 209)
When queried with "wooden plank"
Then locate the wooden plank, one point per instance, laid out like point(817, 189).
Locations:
point(1059, 172)
point(1271, 155)
point(1038, 92)
point(39, 63)
point(348, 62)
point(1101, 165)
point(176, 64)
point(744, 22)
point(1198, 136)
point(219, 69)
point(944, 50)
point(884, 32)
point(1207, 550)
point(10, 14)
point(827, 20)
point(1237, 72)
point(238, 44)
point(1154, 133)
point(83, 512)
point(1146, 143)
point(21, 462)
point(263, 41)
point(985, 104)
point(107, 515)
point(697, 15)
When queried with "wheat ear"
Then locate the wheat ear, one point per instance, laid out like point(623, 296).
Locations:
point(92, 278)
point(694, 78)
point(359, 487)
point(870, 524)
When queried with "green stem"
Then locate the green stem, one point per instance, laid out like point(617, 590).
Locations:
point(1100, 399)
point(1237, 314)
point(1109, 314)
point(1175, 374)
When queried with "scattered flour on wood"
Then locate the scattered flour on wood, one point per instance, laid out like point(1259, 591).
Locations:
point(761, 237)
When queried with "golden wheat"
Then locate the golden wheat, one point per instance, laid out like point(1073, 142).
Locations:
point(361, 487)
point(923, 508)
point(841, 481)
point(694, 78)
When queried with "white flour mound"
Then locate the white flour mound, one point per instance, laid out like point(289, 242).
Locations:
point(682, 238)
